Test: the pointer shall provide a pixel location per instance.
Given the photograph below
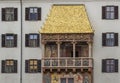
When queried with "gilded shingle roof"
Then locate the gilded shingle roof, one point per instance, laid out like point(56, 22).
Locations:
point(67, 19)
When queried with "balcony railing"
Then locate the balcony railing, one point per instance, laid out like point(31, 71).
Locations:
point(67, 62)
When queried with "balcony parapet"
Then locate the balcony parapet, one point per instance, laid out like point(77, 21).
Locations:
point(67, 62)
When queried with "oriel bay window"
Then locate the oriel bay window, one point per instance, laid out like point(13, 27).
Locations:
point(9, 66)
point(9, 14)
point(33, 66)
point(9, 40)
point(110, 39)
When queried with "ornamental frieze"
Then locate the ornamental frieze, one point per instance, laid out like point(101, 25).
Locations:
point(67, 37)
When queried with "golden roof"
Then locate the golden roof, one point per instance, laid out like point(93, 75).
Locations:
point(67, 19)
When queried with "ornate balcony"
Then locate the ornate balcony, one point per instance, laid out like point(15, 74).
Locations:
point(83, 62)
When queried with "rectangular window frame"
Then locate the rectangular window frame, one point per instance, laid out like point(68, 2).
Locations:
point(110, 39)
point(9, 14)
point(9, 66)
point(110, 12)
point(110, 65)
point(32, 40)
point(9, 40)
point(32, 14)
point(33, 66)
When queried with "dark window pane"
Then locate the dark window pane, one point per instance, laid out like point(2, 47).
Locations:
point(70, 80)
point(63, 80)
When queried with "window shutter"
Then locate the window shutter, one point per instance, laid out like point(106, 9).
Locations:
point(39, 65)
point(39, 13)
point(26, 66)
point(15, 66)
point(103, 65)
point(116, 39)
point(116, 12)
point(15, 14)
point(3, 40)
point(27, 40)
point(3, 66)
point(116, 65)
point(103, 39)
point(3, 14)
point(27, 13)
point(103, 12)
point(15, 40)
point(38, 40)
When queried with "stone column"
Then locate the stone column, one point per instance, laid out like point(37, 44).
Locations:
point(43, 49)
point(90, 48)
point(58, 49)
point(74, 50)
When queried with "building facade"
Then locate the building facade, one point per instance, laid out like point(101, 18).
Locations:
point(59, 41)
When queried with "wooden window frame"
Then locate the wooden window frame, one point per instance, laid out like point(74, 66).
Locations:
point(32, 42)
point(110, 42)
point(113, 67)
point(33, 66)
point(8, 42)
point(9, 66)
point(27, 14)
point(14, 14)
point(105, 12)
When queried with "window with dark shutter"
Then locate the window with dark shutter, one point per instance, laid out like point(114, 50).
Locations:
point(3, 14)
point(3, 40)
point(103, 39)
point(116, 39)
point(39, 65)
point(9, 14)
point(110, 12)
point(39, 13)
point(33, 66)
point(116, 12)
point(109, 65)
point(9, 40)
point(103, 65)
point(110, 39)
point(116, 65)
point(103, 12)
point(32, 40)
point(27, 40)
point(9, 66)
point(15, 66)
point(26, 13)
point(15, 14)
point(15, 40)
point(38, 40)
point(33, 14)
point(26, 66)
point(3, 67)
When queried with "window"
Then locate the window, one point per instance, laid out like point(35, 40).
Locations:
point(32, 66)
point(32, 40)
point(9, 66)
point(33, 13)
point(9, 40)
point(109, 65)
point(9, 14)
point(110, 39)
point(110, 12)
point(67, 80)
